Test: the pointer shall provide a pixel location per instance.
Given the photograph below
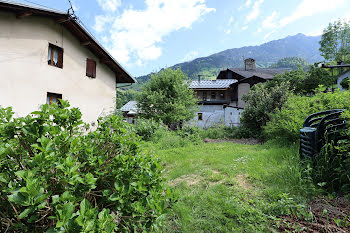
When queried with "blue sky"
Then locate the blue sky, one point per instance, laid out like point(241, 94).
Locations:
point(147, 35)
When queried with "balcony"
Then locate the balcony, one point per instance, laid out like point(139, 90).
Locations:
point(213, 101)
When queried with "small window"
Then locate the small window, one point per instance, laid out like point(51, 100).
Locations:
point(200, 116)
point(90, 68)
point(53, 98)
point(222, 95)
point(55, 56)
point(213, 95)
point(204, 96)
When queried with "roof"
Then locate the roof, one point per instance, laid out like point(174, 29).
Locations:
point(212, 84)
point(130, 106)
point(77, 29)
point(262, 73)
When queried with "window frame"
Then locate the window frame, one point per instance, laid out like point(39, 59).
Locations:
point(50, 97)
point(50, 56)
point(200, 116)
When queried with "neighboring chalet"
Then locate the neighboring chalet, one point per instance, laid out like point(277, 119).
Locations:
point(221, 99)
point(130, 111)
point(46, 55)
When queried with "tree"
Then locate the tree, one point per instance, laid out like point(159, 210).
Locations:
point(262, 100)
point(335, 41)
point(290, 62)
point(167, 98)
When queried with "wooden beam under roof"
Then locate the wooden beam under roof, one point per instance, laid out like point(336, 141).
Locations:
point(85, 43)
point(24, 14)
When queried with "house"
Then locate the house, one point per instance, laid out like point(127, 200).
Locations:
point(46, 55)
point(220, 100)
point(130, 111)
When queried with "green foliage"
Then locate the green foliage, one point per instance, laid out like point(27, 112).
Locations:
point(146, 128)
point(55, 178)
point(220, 131)
point(335, 41)
point(345, 83)
point(227, 187)
point(305, 82)
point(124, 96)
point(286, 122)
point(167, 98)
point(261, 101)
point(332, 164)
point(290, 62)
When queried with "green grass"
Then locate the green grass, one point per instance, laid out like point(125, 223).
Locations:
point(228, 187)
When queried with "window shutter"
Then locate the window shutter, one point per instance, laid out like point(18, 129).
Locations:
point(60, 58)
point(93, 63)
point(90, 68)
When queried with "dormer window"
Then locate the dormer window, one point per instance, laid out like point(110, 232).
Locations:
point(55, 56)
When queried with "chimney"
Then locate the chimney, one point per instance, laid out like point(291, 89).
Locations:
point(249, 64)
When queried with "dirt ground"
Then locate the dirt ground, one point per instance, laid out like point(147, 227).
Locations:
point(329, 215)
point(247, 141)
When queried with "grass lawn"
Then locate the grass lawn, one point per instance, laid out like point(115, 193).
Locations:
point(227, 187)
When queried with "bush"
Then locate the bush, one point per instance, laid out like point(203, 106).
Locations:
point(286, 122)
point(261, 101)
point(345, 83)
point(220, 131)
point(54, 178)
point(146, 128)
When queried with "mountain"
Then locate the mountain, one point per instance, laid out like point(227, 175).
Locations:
point(265, 55)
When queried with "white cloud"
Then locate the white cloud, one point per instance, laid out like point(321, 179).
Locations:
point(135, 35)
point(244, 28)
point(227, 31)
point(190, 56)
point(255, 11)
point(230, 21)
point(309, 8)
point(270, 21)
point(248, 2)
point(109, 5)
point(101, 21)
point(267, 35)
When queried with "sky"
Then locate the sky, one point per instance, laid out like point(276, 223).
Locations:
point(147, 35)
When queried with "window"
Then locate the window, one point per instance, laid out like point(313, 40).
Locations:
point(90, 68)
point(55, 56)
point(213, 95)
point(204, 96)
point(200, 116)
point(53, 98)
point(222, 95)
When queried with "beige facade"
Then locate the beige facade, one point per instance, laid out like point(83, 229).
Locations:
point(26, 77)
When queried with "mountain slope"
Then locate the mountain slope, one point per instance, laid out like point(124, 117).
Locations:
point(292, 46)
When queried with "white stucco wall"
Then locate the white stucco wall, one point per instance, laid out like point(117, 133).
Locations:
point(243, 88)
point(216, 114)
point(26, 77)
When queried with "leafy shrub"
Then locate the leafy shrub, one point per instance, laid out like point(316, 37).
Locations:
point(55, 178)
point(146, 128)
point(190, 133)
point(261, 101)
point(345, 83)
point(286, 122)
point(219, 131)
